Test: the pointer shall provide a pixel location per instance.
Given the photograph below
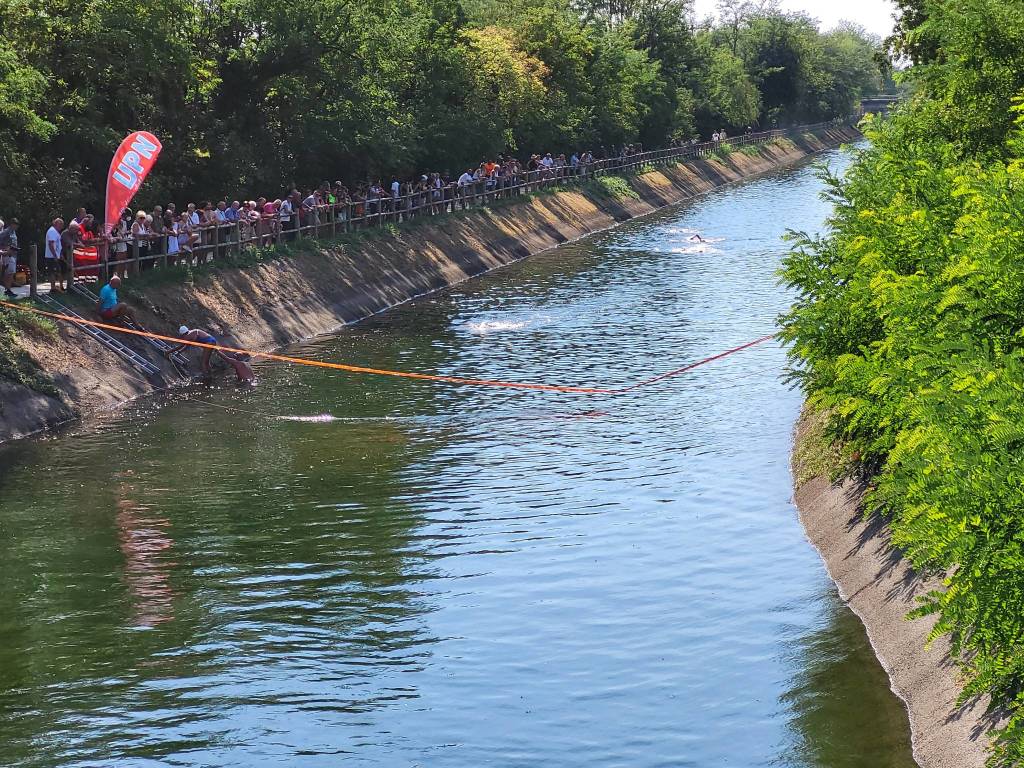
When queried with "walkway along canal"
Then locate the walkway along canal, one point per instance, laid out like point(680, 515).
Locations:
point(452, 576)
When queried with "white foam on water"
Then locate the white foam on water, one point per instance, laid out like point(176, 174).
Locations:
point(487, 327)
point(695, 248)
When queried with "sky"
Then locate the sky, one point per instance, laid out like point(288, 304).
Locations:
point(873, 15)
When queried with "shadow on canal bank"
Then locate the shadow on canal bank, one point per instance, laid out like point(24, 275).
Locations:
point(298, 293)
point(881, 587)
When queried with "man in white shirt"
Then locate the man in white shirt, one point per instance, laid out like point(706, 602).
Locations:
point(284, 212)
point(466, 178)
point(53, 266)
point(311, 209)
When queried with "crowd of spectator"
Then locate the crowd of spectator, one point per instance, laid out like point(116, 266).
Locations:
point(167, 233)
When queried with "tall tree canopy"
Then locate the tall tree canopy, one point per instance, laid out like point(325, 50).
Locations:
point(249, 96)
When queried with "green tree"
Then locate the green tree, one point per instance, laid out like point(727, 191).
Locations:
point(727, 97)
point(22, 130)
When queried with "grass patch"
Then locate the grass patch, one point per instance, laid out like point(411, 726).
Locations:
point(816, 453)
point(750, 150)
point(724, 149)
point(16, 364)
point(612, 186)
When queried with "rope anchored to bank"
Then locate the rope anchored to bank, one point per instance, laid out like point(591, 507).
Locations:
point(457, 380)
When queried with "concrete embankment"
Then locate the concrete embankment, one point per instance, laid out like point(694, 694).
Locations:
point(882, 588)
point(281, 301)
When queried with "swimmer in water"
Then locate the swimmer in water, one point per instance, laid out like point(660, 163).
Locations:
point(696, 237)
point(242, 369)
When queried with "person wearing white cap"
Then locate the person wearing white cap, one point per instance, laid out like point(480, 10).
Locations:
point(242, 368)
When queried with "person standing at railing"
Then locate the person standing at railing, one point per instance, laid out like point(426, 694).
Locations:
point(207, 224)
point(53, 265)
point(70, 239)
point(374, 196)
point(141, 234)
point(158, 243)
point(171, 232)
point(186, 235)
point(247, 222)
point(286, 215)
point(342, 201)
point(311, 211)
point(9, 256)
point(407, 199)
point(119, 240)
point(231, 216)
point(264, 220)
point(220, 232)
point(396, 192)
point(90, 229)
point(436, 193)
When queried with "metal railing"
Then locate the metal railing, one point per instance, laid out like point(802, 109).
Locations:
point(213, 241)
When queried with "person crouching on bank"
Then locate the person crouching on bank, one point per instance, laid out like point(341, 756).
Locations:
point(242, 369)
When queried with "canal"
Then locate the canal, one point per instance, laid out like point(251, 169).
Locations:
point(446, 576)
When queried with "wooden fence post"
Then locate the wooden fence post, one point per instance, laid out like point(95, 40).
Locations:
point(33, 268)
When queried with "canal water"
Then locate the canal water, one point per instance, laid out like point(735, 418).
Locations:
point(448, 576)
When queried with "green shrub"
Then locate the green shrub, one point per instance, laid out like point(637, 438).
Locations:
point(613, 186)
point(908, 330)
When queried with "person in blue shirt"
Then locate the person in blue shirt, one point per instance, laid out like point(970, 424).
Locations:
point(108, 305)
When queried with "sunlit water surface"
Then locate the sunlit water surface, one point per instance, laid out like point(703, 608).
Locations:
point(449, 576)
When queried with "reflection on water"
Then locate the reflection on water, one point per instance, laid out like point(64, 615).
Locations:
point(832, 685)
point(145, 544)
point(398, 573)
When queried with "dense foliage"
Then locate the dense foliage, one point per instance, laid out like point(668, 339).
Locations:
point(249, 96)
point(909, 331)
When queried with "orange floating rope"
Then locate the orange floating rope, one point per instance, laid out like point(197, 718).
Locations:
point(382, 371)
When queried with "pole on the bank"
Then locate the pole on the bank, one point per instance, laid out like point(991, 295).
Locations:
point(33, 269)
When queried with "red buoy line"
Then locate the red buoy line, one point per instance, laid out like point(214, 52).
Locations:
point(458, 380)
